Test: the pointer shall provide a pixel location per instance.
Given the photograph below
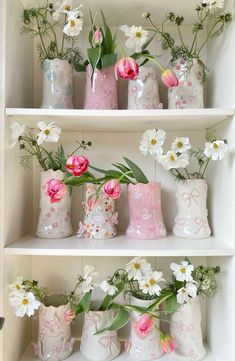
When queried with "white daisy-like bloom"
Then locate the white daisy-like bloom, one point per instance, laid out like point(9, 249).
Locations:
point(136, 35)
point(73, 26)
point(17, 286)
point(216, 150)
point(185, 293)
point(171, 160)
point(24, 303)
point(137, 268)
point(111, 290)
point(214, 3)
point(152, 141)
point(89, 276)
point(149, 284)
point(181, 145)
point(17, 129)
point(66, 7)
point(183, 271)
point(48, 133)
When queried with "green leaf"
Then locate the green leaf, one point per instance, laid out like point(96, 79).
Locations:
point(158, 302)
point(108, 43)
point(108, 299)
point(94, 57)
point(78, 181)
point(171, 305)
point(108, 60)
point(80, 67)
point(121, 319)
point(85, 302)
point(138, 174)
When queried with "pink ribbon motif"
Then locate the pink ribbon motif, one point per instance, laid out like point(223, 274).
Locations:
point(187, 328)
point(192, 355)
point(191, 196)
point(202, 224)
point(110, 342)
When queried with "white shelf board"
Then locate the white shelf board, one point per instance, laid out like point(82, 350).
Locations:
point(122, 120)
point(77, 356)
point(118, 246)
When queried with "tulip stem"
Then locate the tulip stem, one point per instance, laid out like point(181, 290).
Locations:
point(156, 62)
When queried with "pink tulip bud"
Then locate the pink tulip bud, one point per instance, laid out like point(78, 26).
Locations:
point(69, 316)
point(167, 343)
point(126, 68)
point(144, 325)
point(169, 78)
point(112, 189)
point(55, 189)
point(97, 38)
point(77, 165)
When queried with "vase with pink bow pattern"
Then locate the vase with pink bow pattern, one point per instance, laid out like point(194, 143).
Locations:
point(192, 215)
point(145, 214)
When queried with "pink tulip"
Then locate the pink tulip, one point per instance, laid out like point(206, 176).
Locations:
point(77, 165)
point(97, 38)
point(167, 343)
point(126, 68)
point(55, 189)
point(69, 316)
point(112, 189)
point(169, 78)
point(144, 326)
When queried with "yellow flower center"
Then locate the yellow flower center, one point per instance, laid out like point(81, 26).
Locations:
point(172, 158)
point(146, 285)
point(46, 131)
point(137, 266)
point(18, 287)
point(25, 301)
point(67, 8)
point(152, 282)
point(138, 34)
point(72, 23)
point(153, 141)
point(183, 290)
point(215, 146)
point(183, 270)
point(179, 144)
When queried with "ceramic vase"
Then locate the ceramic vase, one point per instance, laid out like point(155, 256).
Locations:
point(54, 342)
point(102, 347)
point(186, 329)
point(100, 216)
point(101, 92)
point(189, 93)
point(191, 219)
point(54, 218)
point(143, 92)
point(145, 214)
point(57, 84)
point(139, 347)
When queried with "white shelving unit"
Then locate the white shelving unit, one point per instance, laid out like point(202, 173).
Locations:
point(114, 133)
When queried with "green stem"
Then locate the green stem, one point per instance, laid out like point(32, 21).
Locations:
point(187, 173)
point(208, 37)
point(62, 45)
point(180, 35)
point(208, 160)
point(156, 62)
point(41, 38)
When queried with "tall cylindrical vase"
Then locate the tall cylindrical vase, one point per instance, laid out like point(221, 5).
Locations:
point(54, 218)
point(144, 346)
point(54, 336)
point(100, 216)
point(189, 93)
point(143, 92)
point(186, 329)
point(101, 347)
point(191, 220)
point(57, 84)
point(145, 214)
point(101, 91)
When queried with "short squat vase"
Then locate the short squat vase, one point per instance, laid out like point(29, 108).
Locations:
point(54, 218)
point(145, 214)
point(189, 93)
point(145, 347)
point(143, 92)
point(101, 92)
point(101, 347)
point(57, 84)
point(186, 329)
point(54, 340)
point(191, 220)
point(100, 216)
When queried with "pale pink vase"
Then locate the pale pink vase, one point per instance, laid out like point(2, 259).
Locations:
point(101, 93)
point(145, 214)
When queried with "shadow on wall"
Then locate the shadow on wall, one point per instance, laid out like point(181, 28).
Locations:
point(1, 322)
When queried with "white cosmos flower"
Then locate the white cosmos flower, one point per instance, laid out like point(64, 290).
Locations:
point(137, 268)
point(17, 286)
point(171, 160)
point(137, 36)
point(183, 271)
point(89, 276)
point(48, 133)
point(66, 7)
point(17, 129)
point(73, 26)
point(152, 141)
point(214, 3)
point(108, 288)
point(181, 145)
point(185, 293)
point(24, 303)
point(216, 150)
point(149, 284)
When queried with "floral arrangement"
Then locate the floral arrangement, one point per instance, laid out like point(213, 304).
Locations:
point(44, 21)
point(176, 160)
point(209, 15)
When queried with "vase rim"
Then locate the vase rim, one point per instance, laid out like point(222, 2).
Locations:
point(144, 184)
point(193, 180)
point(57, 59)
point(55, 307)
